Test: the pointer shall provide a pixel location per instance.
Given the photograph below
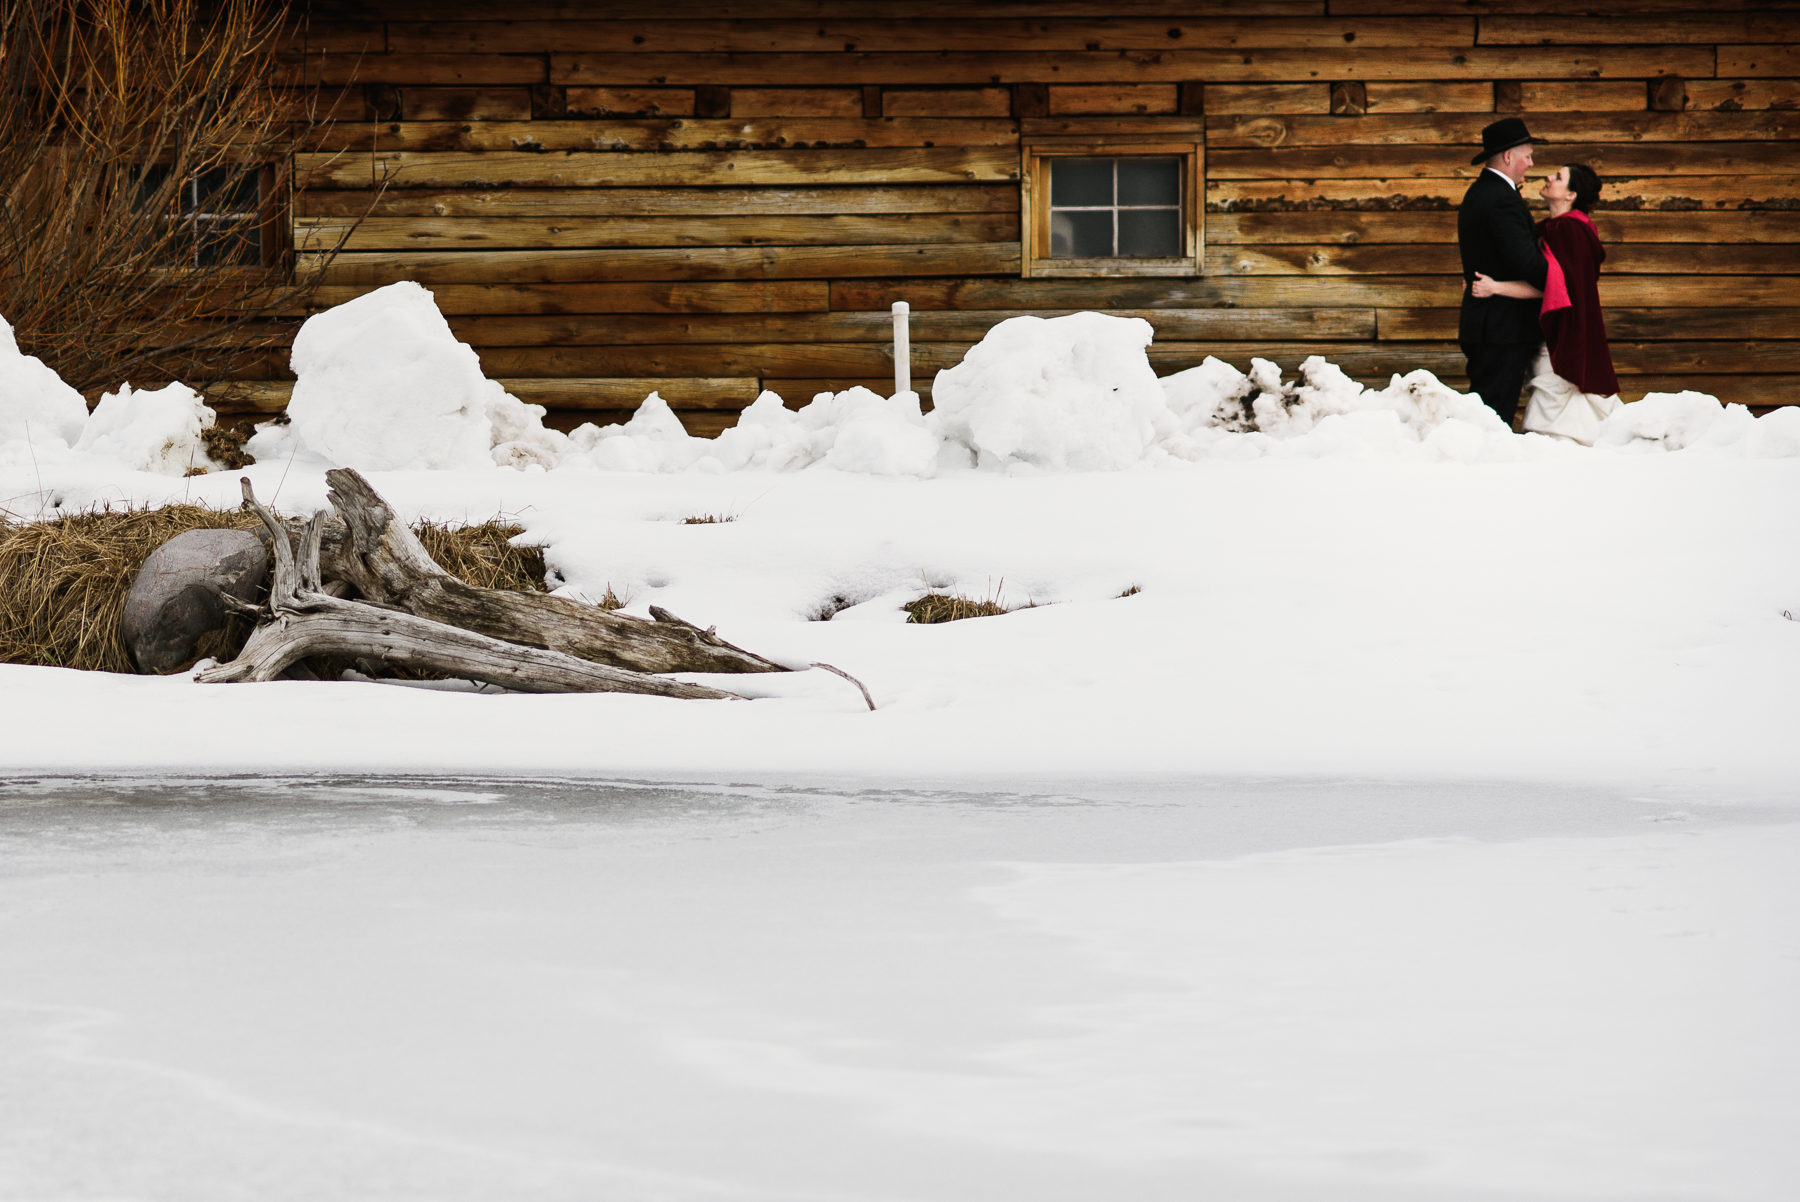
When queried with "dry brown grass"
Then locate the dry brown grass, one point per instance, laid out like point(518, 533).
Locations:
point(953, 607)
point(63, 582)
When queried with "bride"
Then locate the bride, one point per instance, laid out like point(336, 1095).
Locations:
point(1573, 386)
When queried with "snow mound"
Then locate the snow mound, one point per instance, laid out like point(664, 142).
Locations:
point(1676, 421)
point(383, 384)
point(150, 430)
point(1074, 392)
point(853, 431)
point(35, 405)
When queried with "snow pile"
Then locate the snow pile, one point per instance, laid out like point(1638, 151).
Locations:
point(1674, 421)
point(854, 431)
point(35, 405)
point(150, 431)
point(384, 384)
point(1060, 393)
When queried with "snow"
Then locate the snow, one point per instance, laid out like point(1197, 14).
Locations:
point(383, 384)
point(1374, 804)
point(36, 407)
point(149, 431)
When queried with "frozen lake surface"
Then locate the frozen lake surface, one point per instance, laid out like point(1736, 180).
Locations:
point(469, 988)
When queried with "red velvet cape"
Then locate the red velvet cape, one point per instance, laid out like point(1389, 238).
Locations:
point(1574, 328)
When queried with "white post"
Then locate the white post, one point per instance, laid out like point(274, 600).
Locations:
point(902, 349)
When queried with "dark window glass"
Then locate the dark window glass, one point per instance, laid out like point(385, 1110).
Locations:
point(1080, 183)
point(215, 213)
point(1103, 208)
point(1149, 232)
point(1081, 234)
point(1150, 181)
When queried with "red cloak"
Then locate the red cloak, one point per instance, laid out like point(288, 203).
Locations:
point(1574, 329)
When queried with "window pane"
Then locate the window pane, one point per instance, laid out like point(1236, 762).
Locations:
point(1080, 182)
point(1149, 231)
point(1149, 182)
point(227, 242)
point(1081, 234)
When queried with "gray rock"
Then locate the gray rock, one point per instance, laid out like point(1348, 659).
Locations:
point(173, 614)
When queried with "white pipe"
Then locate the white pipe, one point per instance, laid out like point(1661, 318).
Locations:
point(902, 349)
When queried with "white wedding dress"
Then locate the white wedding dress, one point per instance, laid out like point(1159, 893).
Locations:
point(1559, 408)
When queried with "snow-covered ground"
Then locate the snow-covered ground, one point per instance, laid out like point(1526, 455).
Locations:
point(1373, 803)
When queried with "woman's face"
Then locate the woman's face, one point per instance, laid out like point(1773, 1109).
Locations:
point(1556, 185)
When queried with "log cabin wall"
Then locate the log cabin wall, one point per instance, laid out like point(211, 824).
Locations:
point(713, 199)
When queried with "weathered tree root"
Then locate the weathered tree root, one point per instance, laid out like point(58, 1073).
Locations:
point(385, 561)
point(305, 620)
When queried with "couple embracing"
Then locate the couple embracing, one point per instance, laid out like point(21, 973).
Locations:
point(1531, 297)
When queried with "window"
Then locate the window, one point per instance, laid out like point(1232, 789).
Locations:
point(218, 213)
point(1114, 209)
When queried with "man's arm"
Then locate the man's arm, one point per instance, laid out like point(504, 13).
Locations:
point(1516, 241)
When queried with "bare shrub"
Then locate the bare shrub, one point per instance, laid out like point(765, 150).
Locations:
point(141, 180)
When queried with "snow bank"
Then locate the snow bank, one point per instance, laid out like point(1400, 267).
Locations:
point(35, 405)
point(384, 384)
point(150, 431)
point(854, 431)
point(1675, 421)
point(1060, 393)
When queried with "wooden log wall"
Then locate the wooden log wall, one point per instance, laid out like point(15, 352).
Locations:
point(720, 197)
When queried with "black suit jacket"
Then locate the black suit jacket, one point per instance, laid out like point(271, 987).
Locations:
point(1495, 232)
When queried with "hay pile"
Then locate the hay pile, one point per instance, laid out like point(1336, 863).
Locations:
point(63, 582)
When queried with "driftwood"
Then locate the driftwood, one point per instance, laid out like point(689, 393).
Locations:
point(386, 563)
point(305, 619)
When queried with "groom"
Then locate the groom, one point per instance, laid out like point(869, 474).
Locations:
point(1499, 335)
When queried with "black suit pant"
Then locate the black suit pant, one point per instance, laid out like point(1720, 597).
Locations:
point(1498, 370)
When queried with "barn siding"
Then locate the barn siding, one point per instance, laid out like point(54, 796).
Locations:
point(728, 197)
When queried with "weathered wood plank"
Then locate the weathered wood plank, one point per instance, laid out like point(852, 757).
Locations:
point(1395, 162)
point(431, 69)
point(339, 37)
point(1268, 98)
point(819, 10)
point(1095, 98)
point(508, 233)
point(792, 102)
point(1631, 258)
point(1438, 130)
point(788, 360)
point(1273, 292)
point(465, 104)
point(1414, 62)
point(1405, 96)
point(628, 392)
point(960, 326)
point(1122, 129)
point(1632, 325)
point(1686, 29)
point(661, 202)
point(1740, 95)
point(503, 169)
point(1581, 96)
point(1759, 392)
point(1596, 8)
point(672, 133)
point(1758, 61)
point(651, 297)
point(645, 38)
point(796, 393)
point(1680, 193)
point(628, 102)
point(1724, 358)
point(946, 102)
point(720, 263)
point(1349, 229)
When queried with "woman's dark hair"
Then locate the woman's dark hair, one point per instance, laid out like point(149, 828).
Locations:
point(1586, 186)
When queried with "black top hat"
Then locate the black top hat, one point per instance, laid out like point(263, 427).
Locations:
point(1503, 134)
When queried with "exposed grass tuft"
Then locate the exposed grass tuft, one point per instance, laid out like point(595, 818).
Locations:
point(953, 607)
point(708, 519)
point(1133, 591)
point(63, 582)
